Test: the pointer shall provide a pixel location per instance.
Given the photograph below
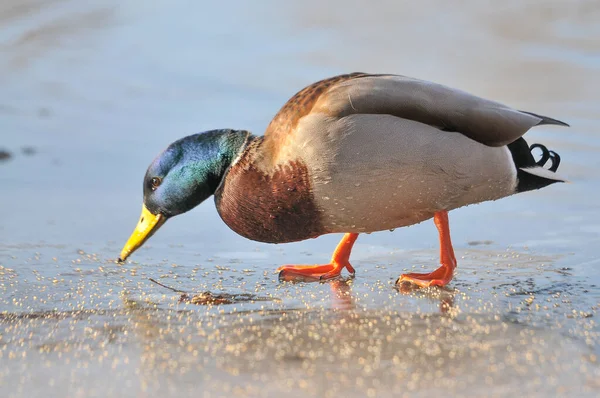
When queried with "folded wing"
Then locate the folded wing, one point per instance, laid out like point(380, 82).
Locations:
point(488, 122)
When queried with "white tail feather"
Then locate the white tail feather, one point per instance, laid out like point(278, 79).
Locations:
point(544, 173)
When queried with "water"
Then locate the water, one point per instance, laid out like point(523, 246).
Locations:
point(92, 91)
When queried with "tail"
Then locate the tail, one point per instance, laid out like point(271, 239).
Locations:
point(532, 174)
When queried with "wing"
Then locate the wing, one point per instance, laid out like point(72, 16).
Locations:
point(445, 108)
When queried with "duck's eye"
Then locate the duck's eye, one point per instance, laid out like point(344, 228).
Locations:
point(155, 182)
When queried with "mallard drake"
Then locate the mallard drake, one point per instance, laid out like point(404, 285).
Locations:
point(352, 154)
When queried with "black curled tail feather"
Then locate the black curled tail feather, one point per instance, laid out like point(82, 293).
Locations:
point(532, 174)
point(546, 155)
point(555, 161)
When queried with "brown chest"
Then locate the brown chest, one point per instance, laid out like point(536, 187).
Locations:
point(275, 207)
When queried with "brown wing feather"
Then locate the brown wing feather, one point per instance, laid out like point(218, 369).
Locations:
point(485, 121)
point(301, 104)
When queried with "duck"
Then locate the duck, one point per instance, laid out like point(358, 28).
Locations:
point(351, 154)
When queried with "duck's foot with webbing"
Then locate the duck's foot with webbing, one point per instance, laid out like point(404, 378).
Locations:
point(339, 261)
point(443, 275)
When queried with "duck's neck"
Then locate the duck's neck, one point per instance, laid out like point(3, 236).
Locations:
point(219, 150)
point(229, 145)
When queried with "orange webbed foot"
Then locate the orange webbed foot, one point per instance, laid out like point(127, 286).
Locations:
point(443, 275)
point(308, 273)
point(440, 277)
point(313, 272)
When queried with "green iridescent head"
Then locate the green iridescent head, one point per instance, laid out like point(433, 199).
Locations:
point(183, 176)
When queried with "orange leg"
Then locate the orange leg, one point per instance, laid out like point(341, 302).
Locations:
point(339, 261)
point(443, 275)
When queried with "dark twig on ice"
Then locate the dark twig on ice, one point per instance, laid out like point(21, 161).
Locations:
point(167, 287)
point(207, 298)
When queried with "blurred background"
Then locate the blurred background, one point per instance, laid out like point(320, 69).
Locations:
point(93, 90)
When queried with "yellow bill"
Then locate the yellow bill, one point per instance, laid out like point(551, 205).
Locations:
point(149, 223)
